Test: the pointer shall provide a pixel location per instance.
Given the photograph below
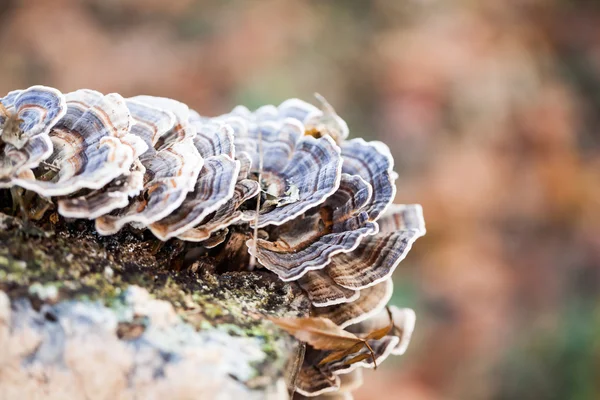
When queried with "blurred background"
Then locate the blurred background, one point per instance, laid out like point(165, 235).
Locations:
point(491, 110)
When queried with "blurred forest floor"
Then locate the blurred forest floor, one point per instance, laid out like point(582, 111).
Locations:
point(492, 112)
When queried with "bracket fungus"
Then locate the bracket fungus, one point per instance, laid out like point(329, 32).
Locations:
point(299, 171)
point(336, 226)
point(377, 256)
point(172, 164)
point(26, 118)
point(92, 145)
point(282, 184)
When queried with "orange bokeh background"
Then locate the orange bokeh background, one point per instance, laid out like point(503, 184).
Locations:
point(492, 110)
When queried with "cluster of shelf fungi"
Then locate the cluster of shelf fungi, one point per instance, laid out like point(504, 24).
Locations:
point(281, 188)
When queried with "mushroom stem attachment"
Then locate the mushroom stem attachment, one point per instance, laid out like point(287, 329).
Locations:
point(17, 198)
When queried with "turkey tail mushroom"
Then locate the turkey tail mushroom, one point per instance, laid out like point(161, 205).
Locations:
point(26, 119)
point(316, 211)
point(334, 227)
point(172, 165)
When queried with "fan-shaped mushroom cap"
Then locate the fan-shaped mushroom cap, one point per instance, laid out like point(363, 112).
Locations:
point(226, 215)
point(114, 195)
point(313, 381)
point(216, 239)
point(316, 122)
point(404, 323)
point(172, 164)
point(323, 291)
point(214, 187)
point(370, 302)
point(92, 145)
point(298, 109)
point(373, 162)
point(400, 217)
point(245, 164)
point(335, 226)
point(182, 127)
point(277, 139)
point(149, 124)
point(377, 256)
point(240, 111)
point(25, 123)
point(229, 212)
point(213, 138)
point(299, 171)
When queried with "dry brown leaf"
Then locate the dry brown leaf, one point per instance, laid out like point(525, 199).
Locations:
point(375, 335)
point(324, 334)
point(320, 333)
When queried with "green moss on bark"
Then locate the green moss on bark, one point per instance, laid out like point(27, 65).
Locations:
point(50, 263)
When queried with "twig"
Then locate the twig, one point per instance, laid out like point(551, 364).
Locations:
point(49, 166)
point(372, 354)
point(252, 263)
point(325, 106)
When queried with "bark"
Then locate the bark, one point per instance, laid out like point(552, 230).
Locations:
point(124, 317)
